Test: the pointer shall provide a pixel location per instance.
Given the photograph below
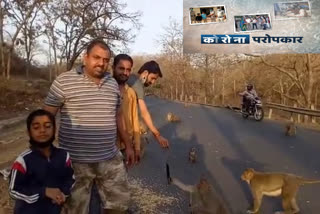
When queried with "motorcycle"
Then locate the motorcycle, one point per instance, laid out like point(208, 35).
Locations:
point(254, 109)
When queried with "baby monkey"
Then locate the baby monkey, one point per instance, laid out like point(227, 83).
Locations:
point(192, 155)
point(291, 129)
point(202, 199)
point(172, 118)
point(275, 184)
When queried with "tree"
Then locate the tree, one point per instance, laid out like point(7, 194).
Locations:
point(20, 11)
point(31, 30)
point(300, 72)
point(3, 16)
point(50, 20)
point(172, 47)
point(83, 20)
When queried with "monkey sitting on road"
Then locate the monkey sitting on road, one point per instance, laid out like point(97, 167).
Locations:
point(291, 129)
point(172, 118)
point(192, 155)
point(202, 198)
point(275, 184)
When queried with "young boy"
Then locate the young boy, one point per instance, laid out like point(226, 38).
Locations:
point(41, 177)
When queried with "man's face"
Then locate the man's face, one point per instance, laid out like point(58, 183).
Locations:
point(41, 129)
point(96, 62)
point(122, 71)
point(150, 79)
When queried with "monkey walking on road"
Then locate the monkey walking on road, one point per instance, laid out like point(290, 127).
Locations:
point(202, 198)
point(275, 184)
point(291, 129)
point(172, 118)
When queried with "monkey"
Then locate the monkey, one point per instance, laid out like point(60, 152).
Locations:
point(274, 184)
point(291, 129)
point(192, 155)
point(202, 198)
point(172, 118)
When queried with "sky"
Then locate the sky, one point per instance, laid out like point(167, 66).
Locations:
point(155, 16)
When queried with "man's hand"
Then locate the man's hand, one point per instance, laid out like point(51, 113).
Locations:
point(56, 195)
point(164, 143)
point(129, 156)
point(137, 155)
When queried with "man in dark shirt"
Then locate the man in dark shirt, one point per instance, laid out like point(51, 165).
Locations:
point(147, 75)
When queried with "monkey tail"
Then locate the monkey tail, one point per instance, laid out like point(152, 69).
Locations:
point(184, 187)
point(308, 181)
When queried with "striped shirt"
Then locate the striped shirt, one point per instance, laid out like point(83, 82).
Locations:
point(88, 129)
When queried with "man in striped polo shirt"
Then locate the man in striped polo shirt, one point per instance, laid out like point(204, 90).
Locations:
point(88, 99)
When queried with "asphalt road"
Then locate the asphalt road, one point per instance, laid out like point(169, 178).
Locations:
point(227, 144)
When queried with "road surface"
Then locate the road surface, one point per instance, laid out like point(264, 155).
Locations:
point(227, 144)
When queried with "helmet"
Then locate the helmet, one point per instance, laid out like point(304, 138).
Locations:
point(249, 87)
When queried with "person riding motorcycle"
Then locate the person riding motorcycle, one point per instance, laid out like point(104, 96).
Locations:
point(248, 96)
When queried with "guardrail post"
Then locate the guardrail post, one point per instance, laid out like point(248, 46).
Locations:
point(291, 117)
point(270, 113)
point(191, 98)
point(205, 100)
point(313, 119)
point(299, 116)
point(185, 98)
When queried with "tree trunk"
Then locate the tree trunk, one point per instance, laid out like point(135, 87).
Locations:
point(56, 69)
point(3, 66)
point(310, 81)
point(222, 86)
point(176, 88)
point(50, 63)
point(9, 63)
point(234, 89)
point(213, 83)
point(182, 88)
point(27, 70)
point(316, 96)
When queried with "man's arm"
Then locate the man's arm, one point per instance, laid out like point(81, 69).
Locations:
point(68, 177)
point(124, 136)
point(135, 122)
point(55, 98)
point(147, 119)
point(52, 109)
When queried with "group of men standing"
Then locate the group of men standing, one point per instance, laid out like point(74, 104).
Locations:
point(99, 125)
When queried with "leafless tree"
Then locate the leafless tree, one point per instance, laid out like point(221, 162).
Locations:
point(84, 20)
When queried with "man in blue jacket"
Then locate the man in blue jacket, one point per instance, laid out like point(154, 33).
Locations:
point(41, 177)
